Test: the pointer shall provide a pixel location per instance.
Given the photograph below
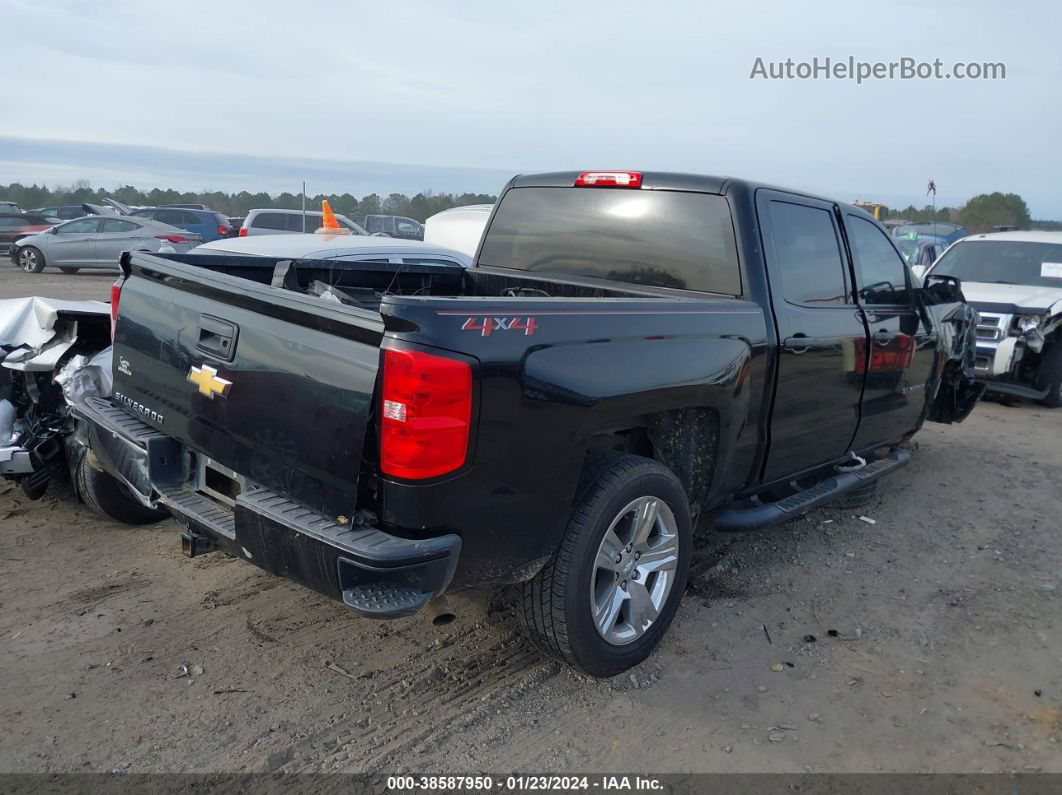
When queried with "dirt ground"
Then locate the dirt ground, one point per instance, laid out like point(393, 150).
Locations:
point(929, 641)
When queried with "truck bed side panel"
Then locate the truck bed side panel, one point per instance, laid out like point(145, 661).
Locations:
point(588, 367)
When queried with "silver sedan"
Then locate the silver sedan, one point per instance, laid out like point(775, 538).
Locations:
point(97, 241)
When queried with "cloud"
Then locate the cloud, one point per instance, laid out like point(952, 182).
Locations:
point(541, 86)
point(112, 165)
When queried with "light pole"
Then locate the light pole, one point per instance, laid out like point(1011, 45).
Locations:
point(304, 206)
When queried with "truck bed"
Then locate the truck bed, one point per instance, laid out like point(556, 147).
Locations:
point(366, 283)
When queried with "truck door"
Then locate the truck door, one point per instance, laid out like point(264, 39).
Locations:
point(821, 332)
point(902, 351)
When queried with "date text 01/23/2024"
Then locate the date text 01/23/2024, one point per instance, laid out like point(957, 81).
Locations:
point(522, 783)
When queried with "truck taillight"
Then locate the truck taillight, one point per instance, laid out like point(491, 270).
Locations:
point(609, 179)
point(116, 294)
point(223, 231)
point(243, 231)
point(426, 410)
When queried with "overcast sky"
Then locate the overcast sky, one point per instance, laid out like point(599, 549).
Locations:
point(475, 91)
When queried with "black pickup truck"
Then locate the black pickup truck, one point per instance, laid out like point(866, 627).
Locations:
point(628, 352)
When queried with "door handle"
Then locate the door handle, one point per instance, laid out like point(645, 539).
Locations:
point(217, 337)
point(799, 343)
point(883, 336)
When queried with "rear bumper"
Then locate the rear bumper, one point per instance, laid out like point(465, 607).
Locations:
point(375, 573)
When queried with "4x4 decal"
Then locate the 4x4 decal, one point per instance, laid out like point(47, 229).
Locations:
point(487, 324)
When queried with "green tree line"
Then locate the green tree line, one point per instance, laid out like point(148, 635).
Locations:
point(979, 214)
point(420, 207)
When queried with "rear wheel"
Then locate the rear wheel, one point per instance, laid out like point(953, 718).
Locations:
point(30, 259)
point(107, 496)
point(1050, 375)
point(609, 593)
point(70, 270)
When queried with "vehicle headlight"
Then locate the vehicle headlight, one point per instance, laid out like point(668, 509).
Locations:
point(1027, 323)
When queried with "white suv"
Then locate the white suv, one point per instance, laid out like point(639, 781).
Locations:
point(1014, 280)
point(282, 222)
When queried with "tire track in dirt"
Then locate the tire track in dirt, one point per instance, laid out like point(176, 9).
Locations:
point(467, 678)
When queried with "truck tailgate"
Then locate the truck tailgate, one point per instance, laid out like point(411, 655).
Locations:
point(271, 384)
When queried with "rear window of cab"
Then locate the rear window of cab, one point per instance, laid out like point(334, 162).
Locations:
point(673, 239)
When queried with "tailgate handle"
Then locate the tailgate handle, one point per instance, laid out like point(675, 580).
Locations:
point(217, 337)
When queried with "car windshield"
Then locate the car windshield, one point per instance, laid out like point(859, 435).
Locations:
point(1004, 262)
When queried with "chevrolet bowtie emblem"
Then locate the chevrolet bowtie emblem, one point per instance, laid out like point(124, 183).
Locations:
point(206, 378)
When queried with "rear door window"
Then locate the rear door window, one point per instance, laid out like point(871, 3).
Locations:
point(171, 217)
point(118, 225)
point(407, 227)
point(278, 221)
point(313, 222)
point(881, 272)
point(644, 237)
point(809, 254)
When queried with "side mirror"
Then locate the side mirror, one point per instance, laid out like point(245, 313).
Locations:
point(942, 289)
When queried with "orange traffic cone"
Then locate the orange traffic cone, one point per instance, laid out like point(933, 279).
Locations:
point(329, 224)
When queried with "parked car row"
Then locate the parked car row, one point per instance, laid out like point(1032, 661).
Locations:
point(208, 224)
point(97, 242)
point(940, 230)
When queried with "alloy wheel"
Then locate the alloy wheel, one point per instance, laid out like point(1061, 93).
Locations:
point(27, 258)
point(634, 570)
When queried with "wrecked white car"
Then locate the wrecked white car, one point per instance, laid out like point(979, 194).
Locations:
point(1014, 280)
point(54, 355)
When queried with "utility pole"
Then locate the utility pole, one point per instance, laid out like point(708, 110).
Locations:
point(304, 206)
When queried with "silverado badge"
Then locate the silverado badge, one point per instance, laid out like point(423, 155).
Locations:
point(206, 378)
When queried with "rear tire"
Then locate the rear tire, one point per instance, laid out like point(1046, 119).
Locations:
point(594, 578)
point(30, 259)
point(107, 496)
point(70, 270)
point(1050, 375)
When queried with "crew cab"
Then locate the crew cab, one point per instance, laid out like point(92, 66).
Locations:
point(628, 352)
point(1014, 280)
